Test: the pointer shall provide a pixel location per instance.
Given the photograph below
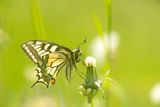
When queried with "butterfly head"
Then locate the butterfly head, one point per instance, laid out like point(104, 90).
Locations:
point(77, 51)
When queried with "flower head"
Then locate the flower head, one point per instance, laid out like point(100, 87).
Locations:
point(90, 61)
point(155, 94)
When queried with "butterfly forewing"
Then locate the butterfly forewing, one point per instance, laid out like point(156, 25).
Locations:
point(40, 47)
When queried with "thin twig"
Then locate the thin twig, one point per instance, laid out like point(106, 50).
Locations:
point(92, 104)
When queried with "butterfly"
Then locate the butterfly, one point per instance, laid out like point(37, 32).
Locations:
point(50, 58)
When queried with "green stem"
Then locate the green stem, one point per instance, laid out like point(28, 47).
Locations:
point(92, 104)
point(109, 16)
point(109, 30)
point(37, 20)
point(98, 26)
point(109, 27)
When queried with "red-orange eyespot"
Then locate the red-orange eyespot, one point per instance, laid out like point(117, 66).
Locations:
point(53, 81)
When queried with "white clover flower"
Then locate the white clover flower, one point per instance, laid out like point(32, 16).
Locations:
point(103, 45)
point(90, 61)
point(100, 47)
point(114, 43)
point(155, 94)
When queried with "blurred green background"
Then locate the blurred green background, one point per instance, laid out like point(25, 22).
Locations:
point(135, 69)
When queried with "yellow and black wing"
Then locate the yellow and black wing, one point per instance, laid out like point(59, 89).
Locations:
point(50, 58)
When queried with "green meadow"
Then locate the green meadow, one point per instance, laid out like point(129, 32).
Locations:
point(122, 35)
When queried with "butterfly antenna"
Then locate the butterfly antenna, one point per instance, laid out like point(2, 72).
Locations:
point(84, 41)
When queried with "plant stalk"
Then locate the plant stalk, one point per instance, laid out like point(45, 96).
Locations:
point(37, 20)
point(109, 30)
point(92, 104)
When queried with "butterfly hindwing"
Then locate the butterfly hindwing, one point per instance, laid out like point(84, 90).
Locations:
point(49, 72)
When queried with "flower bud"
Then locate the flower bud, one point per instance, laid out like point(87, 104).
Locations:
point(90, 61)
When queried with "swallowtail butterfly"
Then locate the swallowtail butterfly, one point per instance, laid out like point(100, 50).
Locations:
point(50, 58)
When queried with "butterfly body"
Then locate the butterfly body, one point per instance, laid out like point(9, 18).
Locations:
point(50, 58)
